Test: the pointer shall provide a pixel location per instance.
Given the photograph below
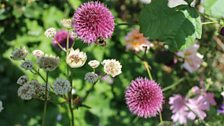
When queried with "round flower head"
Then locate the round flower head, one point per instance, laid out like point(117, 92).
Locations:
point(22, 80)
point(49, 63)
point(61, 86)
point(91, 77)
point(112, 67)
point(76, 58)
point(26, 91)
point(67, 23)
point(19, 54)
point(50, 32)
point(94, 63)
point(144, 97)
point(27, 65)
point(61, 38)
point(38, 53)
point(92, 21)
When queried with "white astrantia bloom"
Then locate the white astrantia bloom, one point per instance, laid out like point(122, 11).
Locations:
point(146, 1)
point(22, 80)
point(1, 106)
point(112, 67)
point(27, 65)
point(174, 3)
point(26, 91)
point(50, 32)
point(192, 59)
point(19, 53)
point(61, 86)
point(49, 63)
point(38, 53)
point(91, 77)
point(67, 23)
point(76, 58)
point(94, 63)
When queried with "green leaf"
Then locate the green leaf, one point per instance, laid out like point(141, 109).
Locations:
point(214, 8)
point(176, 27)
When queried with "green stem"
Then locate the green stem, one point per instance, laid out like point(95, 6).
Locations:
point(173, 85)
point(45, 102)
point(37, 72)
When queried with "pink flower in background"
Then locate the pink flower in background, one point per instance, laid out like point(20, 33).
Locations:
point(92, 21)
point(192, 59)
point(177, 105)
point(144, 97)
point(61, 38)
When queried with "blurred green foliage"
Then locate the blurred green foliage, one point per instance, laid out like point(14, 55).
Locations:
point(23, 22)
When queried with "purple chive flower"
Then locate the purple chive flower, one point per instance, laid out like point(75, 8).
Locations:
point(179, 110)
point(61, 38)
point(144, 97)
point(92, 21)
point(221, 109)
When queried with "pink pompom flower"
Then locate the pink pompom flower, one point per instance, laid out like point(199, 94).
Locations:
point(144, 97)
point(61, 38)
point(93, 21)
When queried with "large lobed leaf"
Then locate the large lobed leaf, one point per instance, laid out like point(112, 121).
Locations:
point(176, 27)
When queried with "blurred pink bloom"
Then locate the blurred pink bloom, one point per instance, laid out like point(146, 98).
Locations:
point(192, 59)
point(93, 21)
point(179, 109)
point(61, 38)
point(144, 97)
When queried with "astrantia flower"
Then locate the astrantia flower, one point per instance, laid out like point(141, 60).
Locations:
point(61, 86)
point(67, 23)
point(26, 91)
point(48, 63)
point(144, 97)
point(22, 80)
point(136, 41)
point(112, 67)
point(174, 3)
point(1, 106)
point(92, 21)
point(19, 53)
point(38, 53)
point(50, 32)
point(192, 59)
point(94, 63)
point(76, 59)
point(179, 109)
point(27, 65)
point(91, 77)
point(61, 38)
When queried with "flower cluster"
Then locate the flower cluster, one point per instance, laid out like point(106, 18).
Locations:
point(61, 86)
point(76, 59)
point(48, 62)
point(192, 59)
point(19, 54)
point(112, 67)
point(91, 77)
point(185, 109)
point(144, 97)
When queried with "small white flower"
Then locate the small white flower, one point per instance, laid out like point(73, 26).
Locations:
point(94, 63)
point(38, 53)
point(73, 91)
point(91, 77)
point(192, 59)
point(73, 34)
point(19, 53)
point(67, 23)
point(76, 59)
point(146, 1)
point(50, 32)
point(27, 65)
point(49, 63)
point(1, 106)
point(22, 80)
point(26, 91)
point(61, 86)
point(112, 67)
point(174, 3)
